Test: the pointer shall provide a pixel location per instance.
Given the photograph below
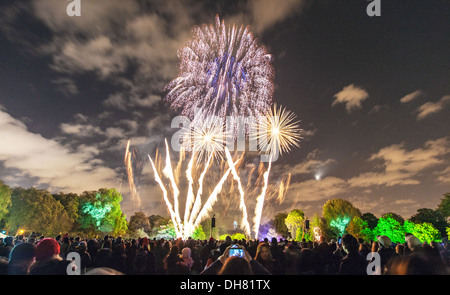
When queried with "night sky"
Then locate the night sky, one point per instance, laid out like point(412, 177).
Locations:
point(372, 94)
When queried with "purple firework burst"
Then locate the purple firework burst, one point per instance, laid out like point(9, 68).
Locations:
point(222, 72)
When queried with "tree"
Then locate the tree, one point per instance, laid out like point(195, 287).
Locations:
point(155, 222)
point(299, 234)
point(199, 234)
point(100, 212)
point(424, 231)
point(71, 203)
point(371, 219)
point(310, 235)
point(280, 226)
point(5, 201)
point(395, 216)
point(444, 206)
point(206, 225)
point(338, 213)
point(293, 221)
point(139, 221)
point(37, 210)
point(390, 227)
point(359, 228)
point(430, 216)
point(325, 229)
point(236, 236)
point(166, 231)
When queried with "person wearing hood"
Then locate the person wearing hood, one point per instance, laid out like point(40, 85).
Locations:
point(187, 259)
point(352, 263)
point(21, 259)
point(8, 244)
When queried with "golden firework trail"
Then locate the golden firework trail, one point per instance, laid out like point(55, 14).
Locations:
point(134, 192)
point(260, 201)
point(241, 192)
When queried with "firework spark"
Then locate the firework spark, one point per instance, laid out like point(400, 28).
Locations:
point(130, 172)
point(206, 138)
point(223, 72)
point(242, 205)
point(260, 202)
point(207, 207)
point(166, 199)
point(168, 172)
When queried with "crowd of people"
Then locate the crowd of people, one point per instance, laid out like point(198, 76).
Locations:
point(143, 256)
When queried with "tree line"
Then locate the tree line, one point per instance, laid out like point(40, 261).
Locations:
point(95, 213)
point(340, 217)
point(34, 210)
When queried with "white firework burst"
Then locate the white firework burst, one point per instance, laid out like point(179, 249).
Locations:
point(224, 72)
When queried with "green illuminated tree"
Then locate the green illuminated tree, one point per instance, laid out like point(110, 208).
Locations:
point(395, 216)
point(294, 221)
point(313, 223)
point(5, 201)
point(100, 212)
point(199, 234)
point(206, 225)
point(299, 234)
point(359, 228)
point(238, 236)
point(430, 216)
point(371, 219)
point(338, 213)
point(423, 231)
point(166, 231)
point(390, 227)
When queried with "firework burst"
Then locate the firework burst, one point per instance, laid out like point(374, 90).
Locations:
point(222, 72)
point(206, 138)
point(277, 131)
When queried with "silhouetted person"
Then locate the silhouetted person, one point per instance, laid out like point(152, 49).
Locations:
point(352, 263)
point(21, 259)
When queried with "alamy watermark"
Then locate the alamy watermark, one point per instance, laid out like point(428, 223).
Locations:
point(74, 267)
point(74, 8)
point(374, 8)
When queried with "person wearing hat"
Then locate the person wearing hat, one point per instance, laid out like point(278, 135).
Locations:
point(187, 259)
point(48, 261)
point(413, 242)
point(385, 250)
point(21, 259)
